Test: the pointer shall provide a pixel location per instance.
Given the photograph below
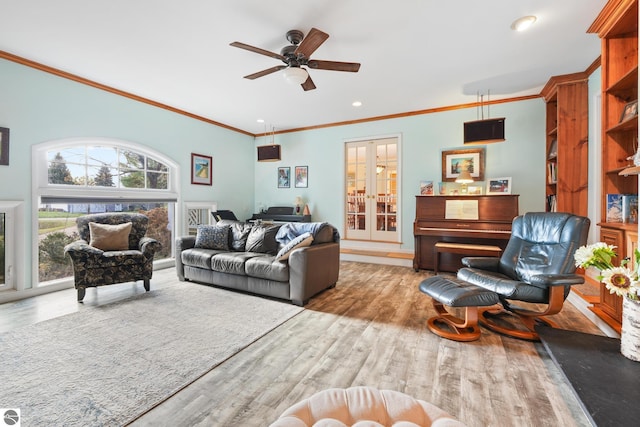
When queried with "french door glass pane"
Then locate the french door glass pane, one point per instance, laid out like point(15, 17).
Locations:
point(356, 187)
point(386, 196)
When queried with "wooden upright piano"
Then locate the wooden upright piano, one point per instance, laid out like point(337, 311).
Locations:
point(480, 220)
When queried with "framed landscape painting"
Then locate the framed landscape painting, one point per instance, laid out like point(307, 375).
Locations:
point(201, 172)
point(454, 161)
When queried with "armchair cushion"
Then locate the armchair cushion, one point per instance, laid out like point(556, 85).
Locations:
point(108, 237)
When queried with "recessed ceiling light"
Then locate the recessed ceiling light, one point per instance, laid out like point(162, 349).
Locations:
point(260, 120)
point(523, 23)
point(357, 103)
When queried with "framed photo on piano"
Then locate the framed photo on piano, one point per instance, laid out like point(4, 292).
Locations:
point(455, 161)
point(499, 186)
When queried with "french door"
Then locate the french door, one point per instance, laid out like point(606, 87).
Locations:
point(372, 190)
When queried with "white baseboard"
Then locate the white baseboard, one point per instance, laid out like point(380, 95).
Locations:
point(583, 307)
point(10, 295)
point(370, 259)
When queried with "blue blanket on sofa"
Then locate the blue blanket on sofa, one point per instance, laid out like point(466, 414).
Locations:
point(291, 230)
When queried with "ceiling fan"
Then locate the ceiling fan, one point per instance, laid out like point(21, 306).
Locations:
point(296, 55)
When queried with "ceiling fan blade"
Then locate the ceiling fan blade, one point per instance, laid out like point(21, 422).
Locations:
point(310, 43)
point(258, 50)
point(352, 67)
point(265, 72)
point(308, 84)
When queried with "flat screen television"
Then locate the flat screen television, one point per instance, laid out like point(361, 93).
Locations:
point(481, 131)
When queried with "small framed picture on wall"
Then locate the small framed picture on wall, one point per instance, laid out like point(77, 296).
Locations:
point(302, 176)
point(201, 172)
point(284, 177)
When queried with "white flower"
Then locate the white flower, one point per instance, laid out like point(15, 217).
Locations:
point(596, 255)
point(583, 255)
point(619, 280)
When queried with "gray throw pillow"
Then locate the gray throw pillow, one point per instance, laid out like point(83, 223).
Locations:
point(212, 237)
point(262, 238)
point(239, 234)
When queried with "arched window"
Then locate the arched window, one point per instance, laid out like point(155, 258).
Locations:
point(75, 177)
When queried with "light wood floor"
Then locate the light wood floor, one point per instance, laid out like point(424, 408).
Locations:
point(369, 330)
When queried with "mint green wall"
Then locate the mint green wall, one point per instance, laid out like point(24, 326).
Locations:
point(39, 107)
point(423, 137)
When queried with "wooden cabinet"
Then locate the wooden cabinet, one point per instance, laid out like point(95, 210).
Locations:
point(567, 127)
point(617, 27)
point(610, 303)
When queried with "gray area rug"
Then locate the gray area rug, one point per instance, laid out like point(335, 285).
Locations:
point(109, 364)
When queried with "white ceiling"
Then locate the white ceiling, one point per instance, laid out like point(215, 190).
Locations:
point(415, 54)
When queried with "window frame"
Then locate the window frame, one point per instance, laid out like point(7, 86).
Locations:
point(14, 244)
point(42, 188)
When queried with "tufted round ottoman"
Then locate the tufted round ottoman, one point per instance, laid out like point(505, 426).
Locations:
point(364, 407)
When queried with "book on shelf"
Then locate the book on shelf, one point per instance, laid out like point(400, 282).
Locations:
point(552, 175)
point(553, 149)
point(630, 208)
point(614, 208)
point(552, 203)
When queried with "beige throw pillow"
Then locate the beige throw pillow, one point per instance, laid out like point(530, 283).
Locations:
point(109, 237)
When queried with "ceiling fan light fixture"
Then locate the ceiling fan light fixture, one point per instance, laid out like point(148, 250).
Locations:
point(521, 24)
point(295, 75)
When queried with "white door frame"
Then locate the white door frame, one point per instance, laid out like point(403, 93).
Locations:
point(398, 138)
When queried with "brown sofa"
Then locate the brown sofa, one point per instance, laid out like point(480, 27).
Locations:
point(291, 261)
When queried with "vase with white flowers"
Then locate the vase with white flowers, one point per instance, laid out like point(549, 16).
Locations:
point(620, 280)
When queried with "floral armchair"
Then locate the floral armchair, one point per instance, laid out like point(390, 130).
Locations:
point(113, 249)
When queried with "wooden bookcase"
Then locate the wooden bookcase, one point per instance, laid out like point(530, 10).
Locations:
point(617, 27)
point(567, 142)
